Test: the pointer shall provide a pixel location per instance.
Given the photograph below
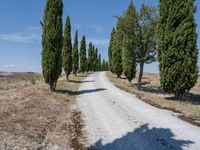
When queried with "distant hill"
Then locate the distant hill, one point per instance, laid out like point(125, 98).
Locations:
point(5, 74)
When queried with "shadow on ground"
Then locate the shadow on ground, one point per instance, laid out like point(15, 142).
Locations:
point(153, 90)
point(188, 97)
point(66, 91)
point(75, 81)
point(144, 138)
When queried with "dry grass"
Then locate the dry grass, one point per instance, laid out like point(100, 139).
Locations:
point(32, 117)
point(151, 92)
point(17, 81)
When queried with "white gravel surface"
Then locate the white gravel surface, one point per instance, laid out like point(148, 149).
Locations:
point(117, 120)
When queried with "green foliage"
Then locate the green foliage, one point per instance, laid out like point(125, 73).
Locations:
point(129, 59)
point(96, 60)
point(99, 63)
point(75, 55)
point(83, 60)
point(52, 42)
point(117, 49)
point(91, 57)
point(33, 80)
point(104, 65)
point(129, 43)
point(67, 48)
point(146, 36)
point(110, 49)
point(177, 46)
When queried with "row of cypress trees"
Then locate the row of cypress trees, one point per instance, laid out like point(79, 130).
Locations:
point(170, 35)
point(133, 41)
point(57, 49)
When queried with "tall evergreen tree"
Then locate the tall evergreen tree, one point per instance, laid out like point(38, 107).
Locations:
point(96, 60)
point(129, 43)
point(93, 58)
point(177, 46)
point(67, 49)
point(103, 65)
point(106, 66)
point(75, 55)
point(99, 63)
point(52, 42)
point(90, 57)
point(110, 49)
point(83, 60)
point(117, 49)
point(146, 37)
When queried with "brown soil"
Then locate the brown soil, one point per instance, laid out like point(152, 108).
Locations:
point(32, 117)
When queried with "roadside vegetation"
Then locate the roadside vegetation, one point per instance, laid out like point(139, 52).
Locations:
point(149, 34)
point(152, 93)
point(57, 50)
point(33, 117)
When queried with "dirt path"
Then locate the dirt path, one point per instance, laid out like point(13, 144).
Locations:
point(118, 120)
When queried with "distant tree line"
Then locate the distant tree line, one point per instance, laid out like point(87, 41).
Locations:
point(57, 49)
point(167, 34)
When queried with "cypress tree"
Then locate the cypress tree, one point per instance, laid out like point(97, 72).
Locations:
point(87, 65)
point(52, 42)
point(99, 62)
point(75, 55)
point(67, 49)
point(110, 49)
point(107, 67)
point(91, 57)
point(103, 65)
point(96, 60)
point(117, 49)
point(83, 61)
point(129, 43)
point(177, 46)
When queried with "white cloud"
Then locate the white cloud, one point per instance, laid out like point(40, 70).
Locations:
point(9, 65)
point(96, 27)
point(35, 28)
point(30, 35)
point(99, 42)
point(19, 38)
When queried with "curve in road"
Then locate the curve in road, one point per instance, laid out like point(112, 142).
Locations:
point(117, 120)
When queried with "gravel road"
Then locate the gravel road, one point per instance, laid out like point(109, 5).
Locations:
point(117, 120)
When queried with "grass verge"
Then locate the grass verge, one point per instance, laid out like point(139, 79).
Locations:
point(33, 117)
point(151, 93)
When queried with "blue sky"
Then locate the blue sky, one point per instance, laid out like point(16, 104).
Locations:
point(20, 31)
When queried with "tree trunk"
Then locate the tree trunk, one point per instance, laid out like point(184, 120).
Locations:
point(52, 87)
point(67, 77)
point(140, 74)
point(178, 95)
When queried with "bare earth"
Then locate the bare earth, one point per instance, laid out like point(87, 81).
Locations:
point(32, 117)
point(117, 120)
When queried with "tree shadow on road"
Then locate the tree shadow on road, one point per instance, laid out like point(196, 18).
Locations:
point(76, 81)
point(144, 138)
point(66, 91)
